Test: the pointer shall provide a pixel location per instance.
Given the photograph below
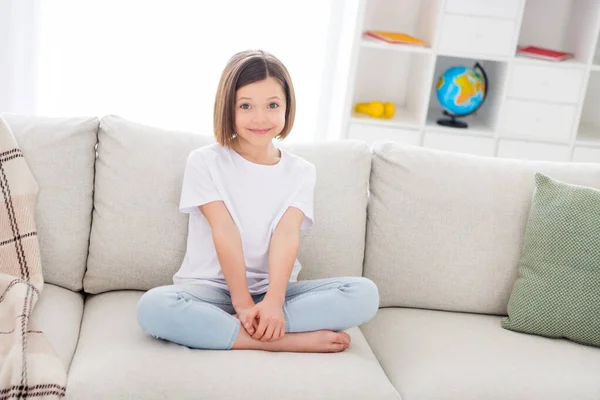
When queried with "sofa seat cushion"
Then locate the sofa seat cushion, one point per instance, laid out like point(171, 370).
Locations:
point(115, 360)
point(445, 355)
point(58, 314)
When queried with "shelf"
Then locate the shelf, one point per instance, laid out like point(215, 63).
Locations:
point(414, 17)
point(563, 25)
point(375, 133)
point(459, 143)
point(545, 110)
point(477, 126)
point(533, 139)
point(586, 154)
point(376, 44)
point(596, 55)
point(482, 37)
point(397, 77)
point(403, 118)
point(483, 57)
point(571, 63)
point(505, 9)
point(588, 131)
point(484, 120)
point(588, 135)
point(514, 149)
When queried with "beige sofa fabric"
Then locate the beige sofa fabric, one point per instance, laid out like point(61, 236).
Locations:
point(116, 360)
point(58, 314)
point(444, 230)
point(138, 235)
point(335, 245)
point(438, 355)
point(60, 153)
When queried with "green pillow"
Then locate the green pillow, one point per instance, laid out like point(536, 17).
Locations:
point(557, 291)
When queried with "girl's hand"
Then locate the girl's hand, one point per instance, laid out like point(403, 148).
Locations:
point(247, 315)
point(271, 321)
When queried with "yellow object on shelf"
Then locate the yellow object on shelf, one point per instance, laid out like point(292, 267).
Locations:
point(396, 38)
point(376, 109)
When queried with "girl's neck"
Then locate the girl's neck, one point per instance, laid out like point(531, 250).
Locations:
point(267, 155)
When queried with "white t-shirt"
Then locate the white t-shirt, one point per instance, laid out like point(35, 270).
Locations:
point(256, 196)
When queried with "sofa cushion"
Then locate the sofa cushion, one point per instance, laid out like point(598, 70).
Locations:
point(445, 230)
point(58, 315)
point(437, 355)
point(138, 237)
point(335, 245)
point(115, 360)
point(60, 153)
point(557, 292)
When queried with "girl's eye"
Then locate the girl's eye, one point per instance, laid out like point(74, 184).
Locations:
point(245, 106)
point(273, 105)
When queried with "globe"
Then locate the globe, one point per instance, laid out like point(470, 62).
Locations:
point(461, 91)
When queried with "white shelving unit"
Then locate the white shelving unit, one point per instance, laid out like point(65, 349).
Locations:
point(534, 109)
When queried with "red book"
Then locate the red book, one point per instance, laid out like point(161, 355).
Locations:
point(542, 53)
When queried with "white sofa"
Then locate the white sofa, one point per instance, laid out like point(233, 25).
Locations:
point(439, 233)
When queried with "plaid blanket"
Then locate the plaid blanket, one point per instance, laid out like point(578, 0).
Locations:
point(29, 366)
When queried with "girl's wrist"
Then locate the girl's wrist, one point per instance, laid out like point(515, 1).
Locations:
point(242, 301)
point(275, 298)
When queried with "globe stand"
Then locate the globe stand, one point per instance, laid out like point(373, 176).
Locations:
point(452, 122)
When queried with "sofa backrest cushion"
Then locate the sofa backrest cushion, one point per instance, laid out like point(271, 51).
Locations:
point(335, 245)
point(445, 230)
point(60, 153)
point(138, 237)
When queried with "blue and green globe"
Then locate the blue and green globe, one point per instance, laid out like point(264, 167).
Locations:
point(460, 90)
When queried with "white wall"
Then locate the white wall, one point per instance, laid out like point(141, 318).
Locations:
point(17, 35)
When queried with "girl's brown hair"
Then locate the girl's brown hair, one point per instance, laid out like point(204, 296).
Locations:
point(242, 69)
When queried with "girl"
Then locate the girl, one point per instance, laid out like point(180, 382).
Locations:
point(248, 200)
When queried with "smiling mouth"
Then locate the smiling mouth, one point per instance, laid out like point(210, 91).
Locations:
point(259, 131)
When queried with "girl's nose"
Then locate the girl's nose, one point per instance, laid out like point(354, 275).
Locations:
point(259, 115)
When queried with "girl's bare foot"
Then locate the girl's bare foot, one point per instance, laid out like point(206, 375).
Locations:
point(303, 342)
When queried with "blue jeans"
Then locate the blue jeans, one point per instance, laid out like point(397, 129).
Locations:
point(200, 316)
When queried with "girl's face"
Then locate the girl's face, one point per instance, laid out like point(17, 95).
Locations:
point(260, 111)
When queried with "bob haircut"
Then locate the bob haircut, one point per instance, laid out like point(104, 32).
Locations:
point(242, 69)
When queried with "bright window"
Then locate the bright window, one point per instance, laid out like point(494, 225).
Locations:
point(159, 62)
